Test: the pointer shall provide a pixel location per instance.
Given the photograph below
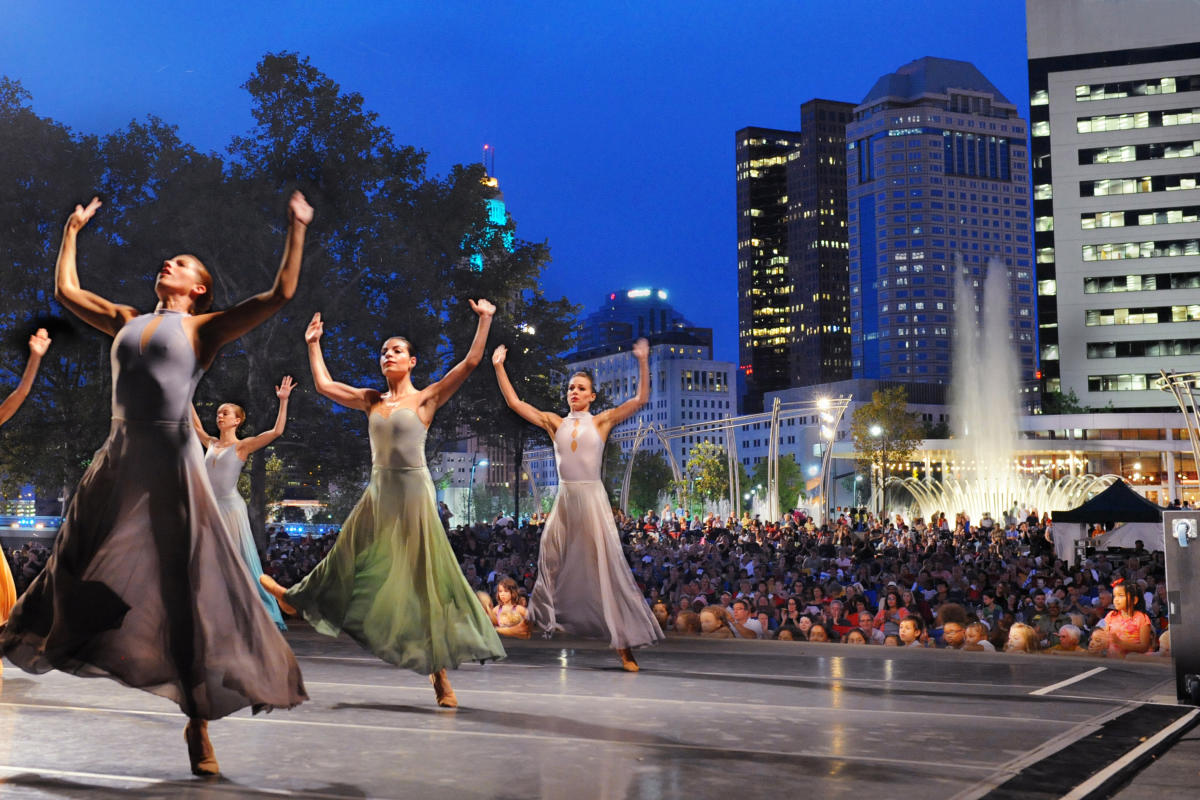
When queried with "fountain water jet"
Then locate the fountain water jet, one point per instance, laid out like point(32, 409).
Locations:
point(983, 397)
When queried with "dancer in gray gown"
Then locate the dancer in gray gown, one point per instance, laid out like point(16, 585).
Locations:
point(226, 455)
point(144, 584)
point(584, 586)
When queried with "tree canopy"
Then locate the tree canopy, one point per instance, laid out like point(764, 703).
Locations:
point(388, 253)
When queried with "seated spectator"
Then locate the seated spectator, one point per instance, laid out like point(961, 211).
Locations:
point(659, 609)
point(744, 626)
point(715, 623)
point(866, 623)
point(1069, 638)
point(1098, 643)
point(1129, 629)
point(508, 615)
point(687, 623)
point(818, 633)
point(975, 638)
point(954, 635)
point(1022, 638)
point(856, 636)
point(911, 631)
point(891, 640)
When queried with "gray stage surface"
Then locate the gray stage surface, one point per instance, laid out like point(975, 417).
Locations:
point(560, 719)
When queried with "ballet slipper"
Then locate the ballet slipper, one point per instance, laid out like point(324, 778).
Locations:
point(276, 591)
point(627, 662)
point(200, 749)
point(443, 690)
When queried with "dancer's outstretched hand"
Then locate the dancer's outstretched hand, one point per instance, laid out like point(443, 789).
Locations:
point(39, 343)
point(284, 389)
point(482, 307)
point(299, 210)
point(498, 355)
point(80, 216)
point(312, 334)
point(641, 349)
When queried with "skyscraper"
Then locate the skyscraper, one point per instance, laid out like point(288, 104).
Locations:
point(765, 325)
point(936, 174)
point(818, 246)
point(1115, 96)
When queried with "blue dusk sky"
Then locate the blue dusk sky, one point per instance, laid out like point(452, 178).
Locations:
point(613, 122)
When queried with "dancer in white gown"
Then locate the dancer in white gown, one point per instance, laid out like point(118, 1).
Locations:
point(224, 460)
point(584, 585)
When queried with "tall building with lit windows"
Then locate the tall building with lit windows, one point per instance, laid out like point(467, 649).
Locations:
point(766, 328)
point(1115, 124)
point(936, 175)
point(818, 246)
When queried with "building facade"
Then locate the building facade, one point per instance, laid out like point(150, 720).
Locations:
point(766, 328)
point(818, 246)
point(1115, 133)
point(937, 176)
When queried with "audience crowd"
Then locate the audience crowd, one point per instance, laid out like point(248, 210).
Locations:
point(954, 584)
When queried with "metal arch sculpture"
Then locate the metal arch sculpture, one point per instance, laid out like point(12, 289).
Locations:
point(1183, 386)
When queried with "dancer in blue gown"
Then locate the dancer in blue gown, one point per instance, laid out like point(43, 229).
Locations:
point(226, 455)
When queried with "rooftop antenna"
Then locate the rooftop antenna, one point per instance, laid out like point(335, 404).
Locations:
point(489, 155)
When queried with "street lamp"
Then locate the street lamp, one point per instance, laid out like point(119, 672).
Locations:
point(471, 488)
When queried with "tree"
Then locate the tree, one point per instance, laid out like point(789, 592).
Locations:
point(791, 480)
point(651, 477)
point(390, 245)
point(1060, 403)
point(885, 431)
point(706, 474)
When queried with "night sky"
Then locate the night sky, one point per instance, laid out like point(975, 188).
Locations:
point(613, 122)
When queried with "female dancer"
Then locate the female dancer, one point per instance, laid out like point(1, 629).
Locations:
point(391, 580)
point(224, 460)
point(38, 344)
point(584, 585)
point(144, 585)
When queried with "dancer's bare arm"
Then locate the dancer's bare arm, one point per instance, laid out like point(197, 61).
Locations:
point(441, 391)
point(216, 329)
point(198, 426)
point(542, 419)
point(340, 393)
point(252, 443)
point(607, 420)
point(101, 314)
point(38, 344)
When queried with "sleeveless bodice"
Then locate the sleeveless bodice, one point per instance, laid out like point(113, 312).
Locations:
point(578, 448)
point(154, 381)
point(398, 440)
point(224, 468)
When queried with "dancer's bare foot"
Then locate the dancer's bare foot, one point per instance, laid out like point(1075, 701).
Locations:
point(277, 591)
point(627, 662)
point(443, 690)
point(200, 749)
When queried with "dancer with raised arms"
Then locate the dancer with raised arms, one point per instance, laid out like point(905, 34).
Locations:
point(38, 344)
point(584, 586)
point(392, 581)
point(226, 455)
point(144, 584)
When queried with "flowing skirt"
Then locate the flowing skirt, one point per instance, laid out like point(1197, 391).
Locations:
point(392, 583)
point(237, 522)
point(584, 585)
point(146, 586)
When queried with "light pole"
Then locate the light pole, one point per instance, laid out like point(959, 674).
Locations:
point(471, 488)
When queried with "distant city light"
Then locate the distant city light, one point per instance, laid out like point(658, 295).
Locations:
point(662, 294)
point(634, 293)
point(813, 470)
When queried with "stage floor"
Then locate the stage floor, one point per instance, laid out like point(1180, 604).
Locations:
point(560, 719)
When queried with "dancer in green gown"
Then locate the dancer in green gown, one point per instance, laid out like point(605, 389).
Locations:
point(391, 581)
